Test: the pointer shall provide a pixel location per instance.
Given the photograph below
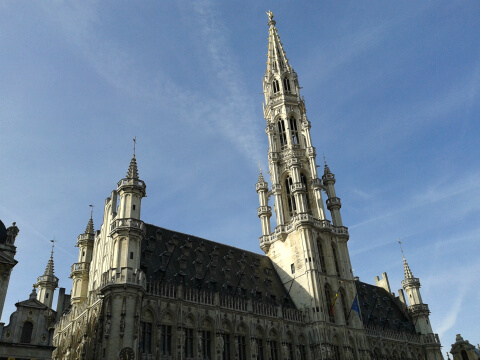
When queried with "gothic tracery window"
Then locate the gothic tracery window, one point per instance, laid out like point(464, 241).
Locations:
point(307, 198)
point(282, 134)
point(276, 86)
point(292, 206)
point(294, 130)
point(286, 85)
point(323, 268)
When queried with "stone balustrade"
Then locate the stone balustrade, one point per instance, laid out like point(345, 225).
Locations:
point(129, 223)
point(226, 301)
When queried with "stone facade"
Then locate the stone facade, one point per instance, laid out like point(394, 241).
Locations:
point(145, 292)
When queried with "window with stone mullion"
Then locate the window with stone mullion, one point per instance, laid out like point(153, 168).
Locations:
point(206, 344)
point(188, 343)
point(226, 346)
point(294, 131)
point(166, 340)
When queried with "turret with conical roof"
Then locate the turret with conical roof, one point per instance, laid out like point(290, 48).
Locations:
point(264, 211)
point(417, 309)
point(333, 202)
point(47, 283)
point(80, 270)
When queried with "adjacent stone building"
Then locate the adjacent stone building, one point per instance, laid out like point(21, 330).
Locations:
point(141, 291)
point(29, 333)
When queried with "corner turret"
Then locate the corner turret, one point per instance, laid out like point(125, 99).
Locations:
point(80, 270)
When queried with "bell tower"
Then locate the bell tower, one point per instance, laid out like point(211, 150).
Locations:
point(308, 250)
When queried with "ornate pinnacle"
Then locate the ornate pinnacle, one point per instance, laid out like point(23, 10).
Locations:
point(406, 269)
point(89, 229)
point(132, 172)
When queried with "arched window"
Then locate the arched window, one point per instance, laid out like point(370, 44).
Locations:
point(282, 134)
point(294, 130)
point(464, 355)
point(276, 86)
point(335, 260)
point(307, 198)
point(286, 85)
point(321, 256)
point(328, 303)
point(26, 336)
point(292, 206)
point(147, 329)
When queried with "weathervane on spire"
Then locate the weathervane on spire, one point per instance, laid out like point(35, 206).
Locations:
point(324, 160)
point(270, 15)
point(53, 245)
point(401, 249)
point(91, 209)
point(134, 143)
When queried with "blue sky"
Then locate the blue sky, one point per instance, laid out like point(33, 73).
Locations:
point(391, 90)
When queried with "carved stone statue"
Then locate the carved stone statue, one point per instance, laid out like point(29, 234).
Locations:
point(220, 346)
point(254, 348)
point(12, 232)
point(108, 323)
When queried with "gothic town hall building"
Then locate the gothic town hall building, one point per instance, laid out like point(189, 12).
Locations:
point(141, 291)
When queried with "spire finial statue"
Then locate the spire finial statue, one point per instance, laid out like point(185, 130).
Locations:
point(270, 15)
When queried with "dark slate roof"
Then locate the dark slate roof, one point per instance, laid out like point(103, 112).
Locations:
point(175, 258)
point(381, 309)
point(3, 233)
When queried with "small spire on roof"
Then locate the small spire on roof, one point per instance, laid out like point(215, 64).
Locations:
point(90, 229)
point(49, 270)
point(260, 175)
point(327, 169)
point(132, 172)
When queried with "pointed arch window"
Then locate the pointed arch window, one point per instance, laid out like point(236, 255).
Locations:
point(282, 134)
point(323, 268)
point(286, 85)
point(294, 130)
point(276, 86)
point(307, 198)
point(292, 206)
point(335, 259)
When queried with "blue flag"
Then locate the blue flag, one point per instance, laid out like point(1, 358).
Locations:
point(355, 307)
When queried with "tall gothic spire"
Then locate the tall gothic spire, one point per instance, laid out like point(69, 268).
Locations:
point(277, 61)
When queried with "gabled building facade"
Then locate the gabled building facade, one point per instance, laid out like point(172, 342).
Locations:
point(145, 292)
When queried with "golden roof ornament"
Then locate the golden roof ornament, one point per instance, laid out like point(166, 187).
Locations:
point(270, 15)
